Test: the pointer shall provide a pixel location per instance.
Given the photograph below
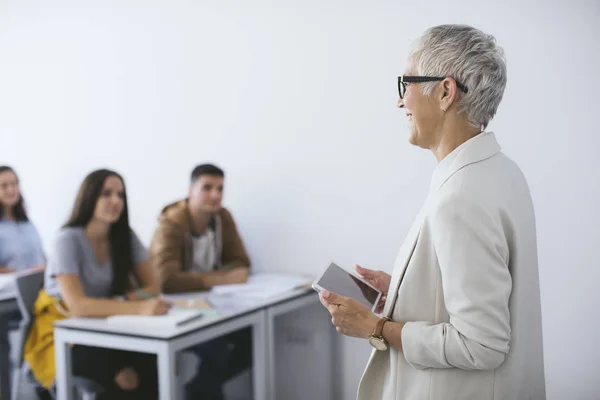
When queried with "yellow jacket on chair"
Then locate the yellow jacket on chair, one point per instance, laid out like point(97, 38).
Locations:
point(39, 347)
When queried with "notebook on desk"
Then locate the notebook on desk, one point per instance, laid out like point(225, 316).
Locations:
point(174, 318)
point(8, 288)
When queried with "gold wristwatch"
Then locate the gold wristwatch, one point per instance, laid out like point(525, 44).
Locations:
point(376, 340)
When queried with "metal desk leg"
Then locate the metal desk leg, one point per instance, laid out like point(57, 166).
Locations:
point(259, 357)
point(64, 373)
point(270, 354)
point(167, 372)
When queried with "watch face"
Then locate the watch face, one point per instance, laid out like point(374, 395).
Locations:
point(378, 343)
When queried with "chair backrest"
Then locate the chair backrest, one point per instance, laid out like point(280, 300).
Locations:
point(28, 287)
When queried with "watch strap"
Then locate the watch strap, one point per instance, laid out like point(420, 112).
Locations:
point(379, 327)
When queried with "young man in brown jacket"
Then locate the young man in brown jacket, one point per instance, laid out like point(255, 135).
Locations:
point(196, 247)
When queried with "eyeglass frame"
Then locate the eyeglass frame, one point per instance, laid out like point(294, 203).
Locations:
point(404, 79)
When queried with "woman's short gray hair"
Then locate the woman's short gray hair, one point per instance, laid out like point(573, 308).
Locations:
point(469, 56)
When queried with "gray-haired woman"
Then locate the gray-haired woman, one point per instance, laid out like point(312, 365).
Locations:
point(462, 319)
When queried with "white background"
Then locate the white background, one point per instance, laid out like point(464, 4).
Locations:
point(296, 101)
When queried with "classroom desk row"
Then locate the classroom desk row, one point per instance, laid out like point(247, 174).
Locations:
point(293, 344)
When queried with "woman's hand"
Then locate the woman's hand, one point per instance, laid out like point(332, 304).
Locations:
point(156, 306)
point(350, 317)
point(379, 279)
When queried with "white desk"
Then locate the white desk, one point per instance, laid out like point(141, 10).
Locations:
point(166, 342)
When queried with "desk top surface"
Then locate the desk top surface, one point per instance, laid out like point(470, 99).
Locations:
point(7, 296)
point(227, 307)
point(8, 290)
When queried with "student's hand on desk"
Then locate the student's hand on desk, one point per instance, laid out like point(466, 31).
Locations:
point(237, 275)
point(350, 317)
point(39, 268)
point(156, 306)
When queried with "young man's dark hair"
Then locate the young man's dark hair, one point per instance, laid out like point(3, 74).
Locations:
point(206, 169)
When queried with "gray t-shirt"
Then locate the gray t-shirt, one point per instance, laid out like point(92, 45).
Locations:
point(73, 254)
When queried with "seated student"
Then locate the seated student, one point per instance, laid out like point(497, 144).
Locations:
point(20, 249)
point(96, 256)
point(195, 247)
point(20, 244)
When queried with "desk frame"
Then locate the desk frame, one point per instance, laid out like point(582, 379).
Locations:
point(261, 321)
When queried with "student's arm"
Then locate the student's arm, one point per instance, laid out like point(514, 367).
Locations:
point(167, 256)
point(234, 253)
point(79, 305)
point(40, 248)
point(147, 277)
point(148, 280)
point(67, 263)
point(41, 267)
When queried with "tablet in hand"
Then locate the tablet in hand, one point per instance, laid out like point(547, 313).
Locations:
point(337, 280)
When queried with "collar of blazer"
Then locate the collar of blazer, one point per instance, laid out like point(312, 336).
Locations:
point(478, 148)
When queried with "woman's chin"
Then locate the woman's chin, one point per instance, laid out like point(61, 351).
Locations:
point(10, 202)
point(412, 139)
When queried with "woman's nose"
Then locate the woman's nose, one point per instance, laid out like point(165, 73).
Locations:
point(400, 103)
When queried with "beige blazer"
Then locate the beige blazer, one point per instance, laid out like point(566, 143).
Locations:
point(466, 284)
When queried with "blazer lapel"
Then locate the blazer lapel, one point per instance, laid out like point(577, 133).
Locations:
point(400, 266)
point(402, 261)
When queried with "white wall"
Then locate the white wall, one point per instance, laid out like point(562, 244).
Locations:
point(296, 100)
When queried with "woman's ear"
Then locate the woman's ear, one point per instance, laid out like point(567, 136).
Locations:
point(448, 94)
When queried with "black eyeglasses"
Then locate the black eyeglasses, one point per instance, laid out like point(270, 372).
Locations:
point(404, 79)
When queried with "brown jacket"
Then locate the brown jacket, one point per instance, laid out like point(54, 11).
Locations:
point(172, 247)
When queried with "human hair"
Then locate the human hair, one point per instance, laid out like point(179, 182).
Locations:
point(18, 210)
point(206, 169)
point(119, 233)
point(469, 56)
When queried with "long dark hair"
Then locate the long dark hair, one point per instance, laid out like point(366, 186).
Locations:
point(119, 234)
point(18, 209)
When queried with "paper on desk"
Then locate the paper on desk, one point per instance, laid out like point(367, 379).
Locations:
point(263, 286)
point(198, 303)
point(174, 317)
point(8, 288)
